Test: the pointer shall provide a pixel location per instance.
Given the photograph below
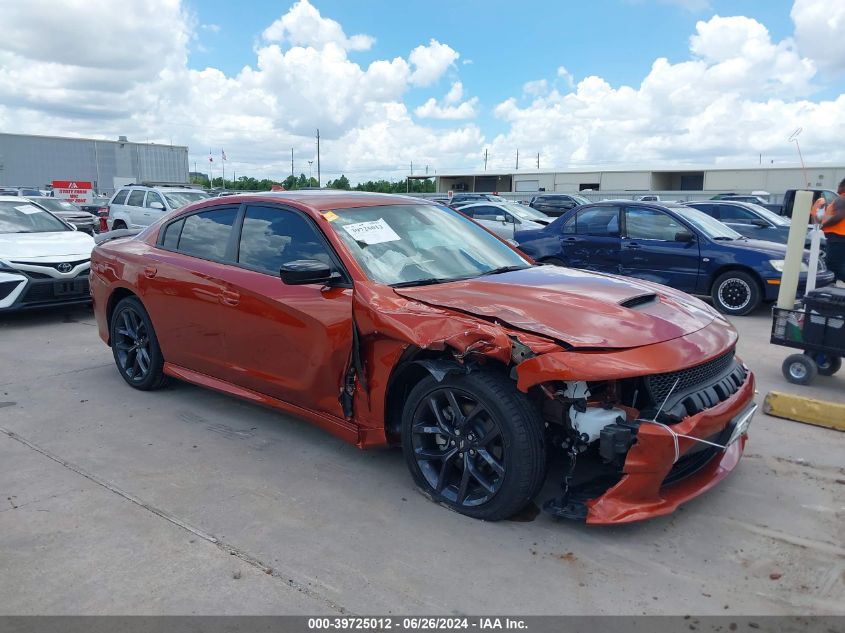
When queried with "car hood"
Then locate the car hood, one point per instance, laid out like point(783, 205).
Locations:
point(21, 246)
point(579, 308)
point(772, 249)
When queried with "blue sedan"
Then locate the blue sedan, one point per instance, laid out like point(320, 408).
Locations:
point(672, 245)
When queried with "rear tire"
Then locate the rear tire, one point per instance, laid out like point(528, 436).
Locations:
point(736, 293)
point(474, 444)
point(827, 364)
point(135, 346)
point(799, 369)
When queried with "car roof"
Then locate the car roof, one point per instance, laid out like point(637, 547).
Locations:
point(324, 199)
point(742, 203)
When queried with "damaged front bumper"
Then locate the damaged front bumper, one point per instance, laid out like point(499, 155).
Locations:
point(653, 483)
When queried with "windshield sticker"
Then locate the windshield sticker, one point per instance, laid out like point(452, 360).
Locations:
point(331, 216)
point(375, 232)
point(28, 209)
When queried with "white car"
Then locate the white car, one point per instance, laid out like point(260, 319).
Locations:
point(505, 218)
point(43, 261)
point(138, 206)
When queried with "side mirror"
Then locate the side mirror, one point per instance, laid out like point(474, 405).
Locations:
point(684, 236)
point(759, 223)
point(157, 205)
point(500, 218)
point(305, 271)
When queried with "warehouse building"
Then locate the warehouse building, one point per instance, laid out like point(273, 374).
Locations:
point(773, 179)
point(36, 161)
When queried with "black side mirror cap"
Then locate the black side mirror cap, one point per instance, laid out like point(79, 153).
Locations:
point(306, 271)
point(684, 236)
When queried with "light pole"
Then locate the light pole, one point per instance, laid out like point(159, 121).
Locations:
point(309, 172)
point(794, 137)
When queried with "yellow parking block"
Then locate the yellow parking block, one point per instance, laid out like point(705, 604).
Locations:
point(807, 410)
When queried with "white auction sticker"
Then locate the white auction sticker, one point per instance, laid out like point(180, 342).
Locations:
point(374, 232)
point(28, 209)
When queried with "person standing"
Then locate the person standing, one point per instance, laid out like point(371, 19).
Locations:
point(833, 225)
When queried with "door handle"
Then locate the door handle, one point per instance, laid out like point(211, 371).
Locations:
point(230, 298)
point(150, 272)
point(633, 246)
point(570, 239)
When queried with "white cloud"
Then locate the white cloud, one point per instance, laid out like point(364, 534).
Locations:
point(211, 28)
point(740, 95)
point(455, 94)
point(431, 110)
point(820, 31)
point(536, 87)
point(430, 62)
point(303, 25)
point(566, 76)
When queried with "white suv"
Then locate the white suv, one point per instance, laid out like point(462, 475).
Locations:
point(137, 206)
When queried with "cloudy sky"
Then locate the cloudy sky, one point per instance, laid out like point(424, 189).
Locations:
point(604, 83)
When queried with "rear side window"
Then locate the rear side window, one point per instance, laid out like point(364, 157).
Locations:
point(272, 237)
point(120, 198)
point(710, 209)
point(206, 234)
point(136, 198)
point(170, 239)
point(598, 221)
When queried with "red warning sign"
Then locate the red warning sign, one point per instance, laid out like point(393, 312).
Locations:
point(74, 191)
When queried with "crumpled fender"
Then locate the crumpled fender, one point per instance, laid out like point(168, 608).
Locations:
point(692, 349)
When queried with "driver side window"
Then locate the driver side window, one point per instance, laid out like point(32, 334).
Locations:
point(152, 196)
point(271, 237)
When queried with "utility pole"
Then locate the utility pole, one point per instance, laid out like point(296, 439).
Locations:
point(318, 158)
point(291, 163)
point(517, 159)
point(538, 160)
point(485, 159)
point(310, 162)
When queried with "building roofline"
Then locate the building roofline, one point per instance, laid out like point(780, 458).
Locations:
point(98, 140)
point(634, 168)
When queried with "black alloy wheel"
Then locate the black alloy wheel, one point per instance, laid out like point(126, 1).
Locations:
point(736, 293)
point(135, 346)
point(474, 443)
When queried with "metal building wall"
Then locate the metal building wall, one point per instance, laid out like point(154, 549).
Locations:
point(37, 160)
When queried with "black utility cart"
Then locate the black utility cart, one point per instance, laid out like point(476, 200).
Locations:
point(816, 326)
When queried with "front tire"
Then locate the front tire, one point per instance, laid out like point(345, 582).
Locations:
point(736, 293)
point(799, 369)
point(474, 444)
point(135, 347)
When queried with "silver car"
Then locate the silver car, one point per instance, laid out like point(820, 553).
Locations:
point(505, 218)
point(137, 206)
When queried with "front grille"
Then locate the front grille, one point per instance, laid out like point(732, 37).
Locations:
point(659, 385)
point(693, 461)
point(70, 290)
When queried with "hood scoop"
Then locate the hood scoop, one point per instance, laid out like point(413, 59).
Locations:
point(640, 301)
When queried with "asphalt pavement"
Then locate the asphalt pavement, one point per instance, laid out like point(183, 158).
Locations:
point(186, 501)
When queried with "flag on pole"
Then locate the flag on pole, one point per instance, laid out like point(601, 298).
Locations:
point(223, 154)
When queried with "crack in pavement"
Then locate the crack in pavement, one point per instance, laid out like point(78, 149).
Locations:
point(62, 373)
point(222, 545)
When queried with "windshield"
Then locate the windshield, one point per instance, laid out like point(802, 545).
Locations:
point(410, 244)
point(580, 199)
point(771, 216)
point(57, 205)
point(22, 217)
point(523, 212)
point(178, 199)
point(711, 227)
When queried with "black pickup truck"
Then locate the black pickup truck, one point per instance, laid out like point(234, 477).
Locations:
point(788, 200)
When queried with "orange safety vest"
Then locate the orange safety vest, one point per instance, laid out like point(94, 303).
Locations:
point(839, 227)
